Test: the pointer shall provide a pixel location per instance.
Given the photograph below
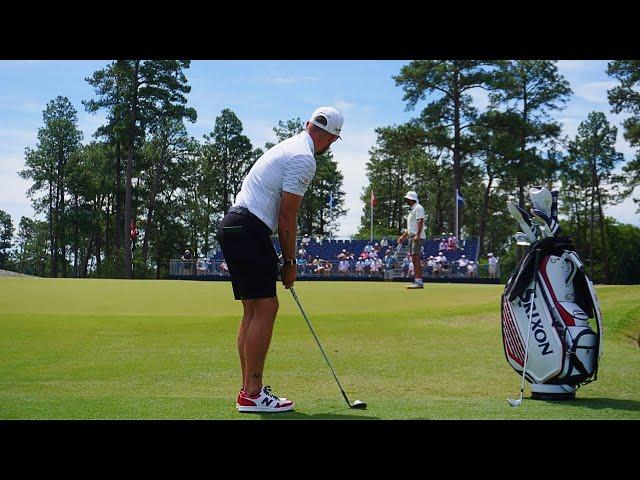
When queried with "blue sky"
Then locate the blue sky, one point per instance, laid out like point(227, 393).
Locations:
point(261, 93)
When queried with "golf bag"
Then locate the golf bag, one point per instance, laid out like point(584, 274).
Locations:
point(564, 350)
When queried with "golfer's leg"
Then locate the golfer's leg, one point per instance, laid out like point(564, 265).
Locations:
point(256, 344)
point(242, 334)
point(417, 267)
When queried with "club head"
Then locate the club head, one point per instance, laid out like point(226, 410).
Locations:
point(514, 403)
point(359, 405)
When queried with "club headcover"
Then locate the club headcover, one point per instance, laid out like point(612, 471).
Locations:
point(543, 219)
point(524, 220)
point(541, 199)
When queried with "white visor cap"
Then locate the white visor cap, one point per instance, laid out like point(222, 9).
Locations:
point(334, 120)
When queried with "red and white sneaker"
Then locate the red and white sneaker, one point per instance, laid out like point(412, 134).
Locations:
point(264, 401)
point(243, 393)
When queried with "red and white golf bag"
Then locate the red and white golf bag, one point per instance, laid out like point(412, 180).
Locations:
point(557, 305)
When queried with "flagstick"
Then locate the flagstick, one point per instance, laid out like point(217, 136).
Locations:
point(457, 233)
point(372, 217)
point(330, 215)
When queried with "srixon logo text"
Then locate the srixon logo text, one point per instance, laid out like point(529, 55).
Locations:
point(536, 323)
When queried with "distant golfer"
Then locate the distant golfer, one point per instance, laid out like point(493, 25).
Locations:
point(417, 236)
point(270, 197)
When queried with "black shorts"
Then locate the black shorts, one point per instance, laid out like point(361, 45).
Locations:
point(253, 263)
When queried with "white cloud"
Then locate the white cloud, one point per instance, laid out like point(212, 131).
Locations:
point(625, 212)
point(343, 105)
point(288, 80)
point(352, 155)
point(566, 66)
point(595, 92)
point(15, 135)
point(20, 105)
point(13, 189)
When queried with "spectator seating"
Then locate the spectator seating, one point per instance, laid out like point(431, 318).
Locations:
point(329, 249)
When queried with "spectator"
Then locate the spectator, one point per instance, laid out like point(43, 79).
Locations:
point(223, 267)
point(201, 266)
point(359, 267)
point(302, 252)
point(368, 248)
point(384, 243)
point(367, 265)
point(374, 267)
point(306, 240)
point(343, 266)
point(380, 265)
point(462, 265)
point(389, 264)
point(445, 264)
point(452, 243)
point(493, 266)
point(302, 263)
point(342, 255)
point(405, 266)
point(186, 263)
point(430, 265)
point(471, 269)
point(328, 267)
point(443, 244)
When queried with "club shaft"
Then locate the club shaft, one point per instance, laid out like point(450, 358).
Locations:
point(295, 296)
point(533, 298)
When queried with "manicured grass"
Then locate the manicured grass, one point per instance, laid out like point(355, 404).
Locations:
point(113, 349)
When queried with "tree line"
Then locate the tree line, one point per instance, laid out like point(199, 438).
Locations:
point(139, 173)
point(497, 155)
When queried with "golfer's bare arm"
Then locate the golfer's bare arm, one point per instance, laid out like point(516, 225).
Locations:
point(420, 225)
point(289, 206)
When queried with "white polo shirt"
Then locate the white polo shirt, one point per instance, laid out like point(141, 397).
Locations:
point(416, 213)
point(286, 167)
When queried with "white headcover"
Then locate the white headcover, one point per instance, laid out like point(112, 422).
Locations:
point(541, 199)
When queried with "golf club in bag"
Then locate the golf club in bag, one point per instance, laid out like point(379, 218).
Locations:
point(357, 404)
point(565, 350)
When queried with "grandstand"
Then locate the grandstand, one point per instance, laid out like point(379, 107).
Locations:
point(328, 250)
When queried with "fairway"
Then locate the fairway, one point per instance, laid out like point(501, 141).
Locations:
point(116, 349)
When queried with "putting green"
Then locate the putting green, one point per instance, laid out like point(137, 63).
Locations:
point(115, 349)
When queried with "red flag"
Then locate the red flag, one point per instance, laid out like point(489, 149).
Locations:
point(374, 202)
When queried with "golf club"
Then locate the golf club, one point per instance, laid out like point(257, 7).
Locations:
point(395, 254)
point(518, 402)
point(357, 404)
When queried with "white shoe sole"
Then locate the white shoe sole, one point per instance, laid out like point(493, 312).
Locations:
point(243, 408)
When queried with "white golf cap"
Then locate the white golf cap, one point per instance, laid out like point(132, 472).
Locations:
point(411, 195)
point(464, 256)
point(333, 117)
point(489, 254)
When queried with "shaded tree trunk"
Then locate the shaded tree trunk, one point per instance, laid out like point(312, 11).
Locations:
point(605, 255)
point(76, 239)
point(85, 265)
point(128, 271)
point(52, 244)
point(118, 199)
point(151, 207)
